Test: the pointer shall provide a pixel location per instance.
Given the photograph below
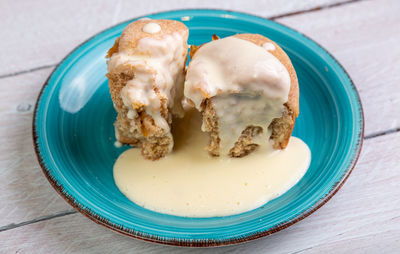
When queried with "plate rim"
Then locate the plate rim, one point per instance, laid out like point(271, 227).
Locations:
point(196, 242)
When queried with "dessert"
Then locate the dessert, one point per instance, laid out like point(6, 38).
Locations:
point(247, 91)
point(242, 90)
point(146, 75)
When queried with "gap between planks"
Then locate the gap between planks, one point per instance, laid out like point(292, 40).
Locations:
point(382, 133)
point(318, 8)
point(39, 219)
point(13, 74)
point(288, 14)
point(70, 212)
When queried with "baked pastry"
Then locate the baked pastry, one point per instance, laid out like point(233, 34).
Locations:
point(146, 69)
point(247, 91)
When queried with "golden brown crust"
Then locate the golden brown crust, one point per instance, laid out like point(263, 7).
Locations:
point(210, 123)
point(133, 33)
point(113, 49)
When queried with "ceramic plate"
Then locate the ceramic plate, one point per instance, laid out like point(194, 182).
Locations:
point(74, 135)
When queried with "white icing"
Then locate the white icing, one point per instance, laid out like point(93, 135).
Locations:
point(116, 132)
point(151, 28)
point(117, 144)
point(247, 86)
point(269, 46)
point(158, 64)
point(233, 65)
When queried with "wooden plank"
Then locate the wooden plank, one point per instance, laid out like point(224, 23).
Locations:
point(365, 38)
point(38, 33)
point(361, 218)
point(24, 191)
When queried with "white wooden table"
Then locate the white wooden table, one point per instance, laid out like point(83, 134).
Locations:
point(363, 217)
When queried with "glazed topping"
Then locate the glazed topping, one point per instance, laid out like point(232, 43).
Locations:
point(158, 76)
point(246, 84)
point(233, 65)
point(269, 46)
point(151, 28)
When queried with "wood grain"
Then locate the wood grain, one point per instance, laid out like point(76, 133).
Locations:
point(24, 193)
point(37, 33)
point(361, 218)
point(23, 189)
point(365, 38)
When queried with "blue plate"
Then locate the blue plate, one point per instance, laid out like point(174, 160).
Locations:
point(73, 135)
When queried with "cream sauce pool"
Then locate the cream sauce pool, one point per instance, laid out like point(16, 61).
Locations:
point(188, 182)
